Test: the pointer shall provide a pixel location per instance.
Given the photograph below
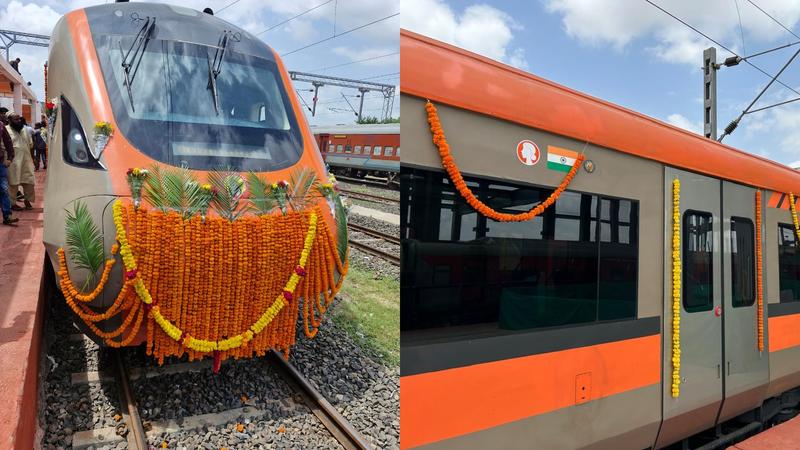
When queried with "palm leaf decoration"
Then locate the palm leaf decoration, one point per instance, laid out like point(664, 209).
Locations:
point(341, 228)
point(261, 201)
point(302, 186)
point(181, 191)
point(154, 191)
point(84, 242)
point(229, 190)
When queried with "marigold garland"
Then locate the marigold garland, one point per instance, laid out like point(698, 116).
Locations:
point(793, 209)
point(449, 165)
point(203, 282)
point(676, 288)
point(759, 285)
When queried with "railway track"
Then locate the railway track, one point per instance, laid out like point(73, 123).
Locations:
point(369, 197)
point(134, 430)
point(374, 233)
point(366, 248)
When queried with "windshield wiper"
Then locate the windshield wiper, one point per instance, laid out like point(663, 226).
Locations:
point(215, 67)
point(140, 44)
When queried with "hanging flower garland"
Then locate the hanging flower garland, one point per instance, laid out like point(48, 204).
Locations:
point(676, 288)
point(793, 209)
point(759, 282)
point(449, 165)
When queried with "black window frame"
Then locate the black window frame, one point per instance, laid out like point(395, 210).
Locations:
point(752, 271)
point(481, 186)
point(684, 259)
point(781, 268)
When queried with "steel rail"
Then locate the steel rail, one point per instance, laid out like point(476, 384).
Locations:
point(339, 427)
point(394, 259)
point(388, 184)
point(137, 439)
point(377, 234)
point(369, 197)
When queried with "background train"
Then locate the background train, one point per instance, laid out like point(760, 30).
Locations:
point(146, 68)
point(558, 332)
point(361, 151)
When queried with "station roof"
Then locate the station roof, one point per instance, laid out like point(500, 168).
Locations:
point(8, 76)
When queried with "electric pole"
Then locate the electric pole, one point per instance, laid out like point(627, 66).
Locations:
point(710, 93)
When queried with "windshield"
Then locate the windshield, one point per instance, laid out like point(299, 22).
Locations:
point(173, 118)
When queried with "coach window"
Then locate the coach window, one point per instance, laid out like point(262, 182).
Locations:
point(339, 148)
point(376, 151)
point(743, 277)
point(697, 261)
point(348, 149)
point(357, 150)
point(398, 152)
point(388, 151)
point(330, 148)
point(465, 274)
point(367, 149)
point(788, 264)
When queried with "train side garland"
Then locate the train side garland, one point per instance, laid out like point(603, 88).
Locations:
point(676, 288)
point(226, 286)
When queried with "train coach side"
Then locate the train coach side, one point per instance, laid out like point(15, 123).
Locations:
point(560, 330)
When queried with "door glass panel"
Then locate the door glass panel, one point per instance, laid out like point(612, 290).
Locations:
point(743, 277)
point(698, 250)
point(788, 264)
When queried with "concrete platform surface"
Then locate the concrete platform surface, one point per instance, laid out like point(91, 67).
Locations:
point(21, 262)
point(394, 219)
point(783, 436)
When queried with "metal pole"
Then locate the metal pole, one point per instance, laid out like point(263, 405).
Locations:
point(361, 104)
point(314, 103)
point(710, 93)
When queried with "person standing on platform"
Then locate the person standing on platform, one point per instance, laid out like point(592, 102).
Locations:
point(6, 156)
point(20, 172)
point(39, 146)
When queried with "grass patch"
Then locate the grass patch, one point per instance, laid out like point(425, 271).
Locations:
point(370, 313)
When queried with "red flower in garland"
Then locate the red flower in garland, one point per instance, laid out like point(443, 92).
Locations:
point(50, 105)
point(287, 295)
point(283, 184)
point(131, 274)
point(300, 271)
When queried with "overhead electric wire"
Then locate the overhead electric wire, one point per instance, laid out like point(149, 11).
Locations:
point(228, 6)
point(353, 62)
point(294, 17)
point(344, 33)
point(774, 19)
point(724, 47)
point(741, 30)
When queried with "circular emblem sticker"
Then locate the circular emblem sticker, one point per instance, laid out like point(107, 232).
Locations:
point(528, 152)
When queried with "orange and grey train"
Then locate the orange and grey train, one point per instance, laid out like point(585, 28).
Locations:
point(559, 332)
point(146, 68)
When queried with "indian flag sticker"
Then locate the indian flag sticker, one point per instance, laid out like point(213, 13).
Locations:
point(560, 158)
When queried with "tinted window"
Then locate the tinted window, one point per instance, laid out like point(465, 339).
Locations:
point(357, 150)
point(172, 116)
point(398, 151)
point(788, 264)
point(348, 149)
point(388, 151)
point(464, 274)
point(339, 148)
point(743, 277)
point(698, 253)
point(377, 150)
point(367, 149)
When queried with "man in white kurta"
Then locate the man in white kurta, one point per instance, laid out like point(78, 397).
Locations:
point(20, 172)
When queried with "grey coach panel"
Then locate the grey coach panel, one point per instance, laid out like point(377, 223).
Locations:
point(746, 369)
point(700, 332)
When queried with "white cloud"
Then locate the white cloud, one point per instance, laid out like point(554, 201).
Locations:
point(682, 122)
point(479, 28)
point(619, 22)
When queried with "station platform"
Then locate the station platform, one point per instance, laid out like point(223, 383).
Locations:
point(783, 436)
point(21, 316)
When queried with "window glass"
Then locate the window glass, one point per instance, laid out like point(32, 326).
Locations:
point(788, 264)
point(367, 149)
point(357, 150)
point(698, 253)
point(330, 147)
point(348, 149)
point(377, 150)
point(465, 275)
point(339, 148)
point(388, 151)
point(743, 277)
point(398, 152)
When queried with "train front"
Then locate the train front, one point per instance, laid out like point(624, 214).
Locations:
point(186, 203)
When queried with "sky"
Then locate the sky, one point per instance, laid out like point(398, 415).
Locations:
point(630, 53)
point(369, 53)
